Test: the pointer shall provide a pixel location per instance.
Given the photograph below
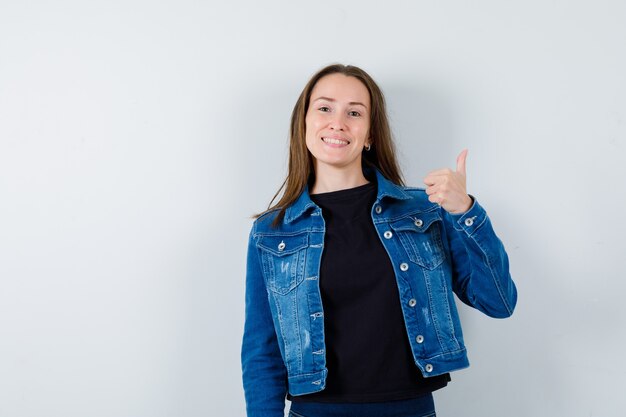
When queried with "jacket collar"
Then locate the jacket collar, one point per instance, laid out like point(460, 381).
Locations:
point(386, 188)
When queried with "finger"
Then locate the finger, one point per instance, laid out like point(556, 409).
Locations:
point(435, 198)
point(432, 190)
point(433, 179)
point(460, 162)
point(442, 171)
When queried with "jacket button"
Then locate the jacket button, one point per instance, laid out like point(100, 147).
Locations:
point(420, 339)
point(378, 209)
point(281, 246)
point(412, 303)
point(419, 222)
point(429, 368)
point(404, 266)
point(388, 234)
point(469, 221)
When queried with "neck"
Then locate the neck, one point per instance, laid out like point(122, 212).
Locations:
point(329, 178)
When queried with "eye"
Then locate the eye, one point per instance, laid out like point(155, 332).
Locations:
point(324, 109)
point(354, 113)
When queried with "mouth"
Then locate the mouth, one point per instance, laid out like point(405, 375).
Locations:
point(335, 141)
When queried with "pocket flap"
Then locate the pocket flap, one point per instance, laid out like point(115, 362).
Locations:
point(281, 245)
point(419, 222)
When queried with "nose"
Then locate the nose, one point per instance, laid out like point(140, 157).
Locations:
point(337, 122)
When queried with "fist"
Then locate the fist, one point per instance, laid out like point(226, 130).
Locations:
point(447, 188)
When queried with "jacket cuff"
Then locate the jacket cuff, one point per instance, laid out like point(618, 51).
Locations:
point(471, 220)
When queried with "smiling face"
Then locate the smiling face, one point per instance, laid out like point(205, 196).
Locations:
point(338, 122)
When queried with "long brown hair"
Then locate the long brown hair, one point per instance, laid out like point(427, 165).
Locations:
point(382, 154)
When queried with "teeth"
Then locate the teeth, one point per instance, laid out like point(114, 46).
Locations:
point(335, 141)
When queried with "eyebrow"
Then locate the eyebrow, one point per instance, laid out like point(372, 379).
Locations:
point(352, 103)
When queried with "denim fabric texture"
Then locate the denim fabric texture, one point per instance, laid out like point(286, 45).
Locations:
point(434, 254)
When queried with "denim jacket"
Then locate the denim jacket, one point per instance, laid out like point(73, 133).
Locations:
point(434, 254)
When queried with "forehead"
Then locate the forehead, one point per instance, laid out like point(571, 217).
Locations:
point(341, 87)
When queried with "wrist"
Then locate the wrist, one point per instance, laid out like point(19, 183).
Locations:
point(468, 205)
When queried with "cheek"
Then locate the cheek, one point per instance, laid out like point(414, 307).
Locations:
point(311, 123)
point(311, 127)
point(309, 136)
point(364, 130)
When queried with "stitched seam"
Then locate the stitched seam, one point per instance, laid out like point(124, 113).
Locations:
point(401, 216)
point(448, 309)
point(297, 326)
point(493, 276)
point(282, 333)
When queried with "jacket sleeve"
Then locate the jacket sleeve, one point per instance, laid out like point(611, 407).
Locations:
point(263, 370)
point(481, 277)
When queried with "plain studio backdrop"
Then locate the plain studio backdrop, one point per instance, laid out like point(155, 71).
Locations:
point(138, 137)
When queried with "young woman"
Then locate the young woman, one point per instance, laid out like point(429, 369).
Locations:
point(350, 275)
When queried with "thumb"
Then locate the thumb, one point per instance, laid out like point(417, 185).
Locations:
point(460, 162)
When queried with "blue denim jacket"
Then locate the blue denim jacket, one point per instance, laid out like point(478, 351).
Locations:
point(434, 254)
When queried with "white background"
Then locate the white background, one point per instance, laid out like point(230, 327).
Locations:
point(137, 137)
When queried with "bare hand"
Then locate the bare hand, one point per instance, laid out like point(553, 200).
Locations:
point(447, 188)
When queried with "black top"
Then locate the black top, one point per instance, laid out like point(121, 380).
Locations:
point(368, 355)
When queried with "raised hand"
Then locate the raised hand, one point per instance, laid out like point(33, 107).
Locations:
point(448, 188)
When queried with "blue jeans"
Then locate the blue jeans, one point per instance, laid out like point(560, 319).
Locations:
point(423, 406)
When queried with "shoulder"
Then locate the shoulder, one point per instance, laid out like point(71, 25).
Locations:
point(265, 222)
point(408, 202)
point(417, 192)
point(417, 196)
point(402, 195)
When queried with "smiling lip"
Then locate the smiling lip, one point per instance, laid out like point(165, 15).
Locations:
point(335, 141)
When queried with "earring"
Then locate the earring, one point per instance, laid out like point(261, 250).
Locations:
point(368, 147)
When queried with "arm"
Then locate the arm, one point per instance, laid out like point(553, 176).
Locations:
point(480, 265)
point(263, 370)
point(481, 277)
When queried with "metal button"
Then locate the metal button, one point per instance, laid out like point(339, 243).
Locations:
point(404, 266)
point(469, 221)
point(281, 246)
point(412, 303)
point(388, 234)
point(429, 368)
point(378, 209)
point(419, 222)
point(420, 339)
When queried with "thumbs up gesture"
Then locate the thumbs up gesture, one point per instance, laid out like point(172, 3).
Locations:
point(447, 188)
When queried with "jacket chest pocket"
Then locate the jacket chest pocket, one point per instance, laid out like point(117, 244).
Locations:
point(420, 235)
point(283, 260)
